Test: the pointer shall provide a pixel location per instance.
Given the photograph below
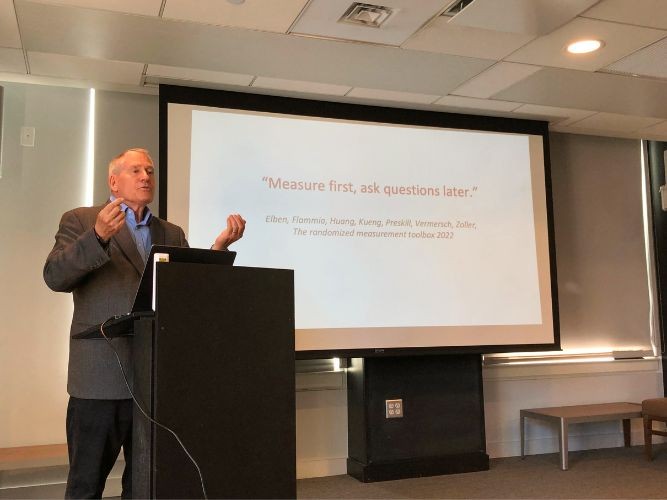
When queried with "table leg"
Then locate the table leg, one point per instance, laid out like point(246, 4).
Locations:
point(562, 435)
point(627, 435)
point(522, 423)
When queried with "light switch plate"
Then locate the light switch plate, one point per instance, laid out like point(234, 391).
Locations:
point(28, 136)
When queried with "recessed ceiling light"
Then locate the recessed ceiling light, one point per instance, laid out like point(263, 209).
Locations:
point(236, 2)
point(584, 46)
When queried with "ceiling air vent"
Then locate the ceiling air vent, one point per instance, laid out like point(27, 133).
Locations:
point(456, 7)
point(366, 14)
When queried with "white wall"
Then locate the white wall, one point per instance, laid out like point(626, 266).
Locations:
point(321, 424)
point(322, 409)
point(123, 121)
point(508, 389)
point(38, 184)
point(599, 236)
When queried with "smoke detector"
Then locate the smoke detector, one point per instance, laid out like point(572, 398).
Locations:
point(366, 14)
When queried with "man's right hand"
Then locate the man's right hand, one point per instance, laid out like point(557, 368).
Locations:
point(110, 220)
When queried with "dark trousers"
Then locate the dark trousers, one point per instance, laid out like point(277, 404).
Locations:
point(96, 430)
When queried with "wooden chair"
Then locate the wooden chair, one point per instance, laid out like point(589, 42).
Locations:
point(653, 409)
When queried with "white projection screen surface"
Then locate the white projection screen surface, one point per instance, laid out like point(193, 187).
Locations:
point(400, 236)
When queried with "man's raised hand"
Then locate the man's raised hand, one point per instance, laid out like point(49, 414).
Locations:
point(233, 232)
point(110, 220)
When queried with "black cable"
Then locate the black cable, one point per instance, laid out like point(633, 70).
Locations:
point(162, 426)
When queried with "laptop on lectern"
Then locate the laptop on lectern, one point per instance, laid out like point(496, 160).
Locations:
point(122, 325)
point(143, 300)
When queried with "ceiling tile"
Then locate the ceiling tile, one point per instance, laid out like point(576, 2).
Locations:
point(615, 122)
point(259, 15)
point(9, 29)
point(497, 78)
point(321, 19)
point(568, 88)
point(649, 61)
point(620, 40)
point(563, 116)
point(81, 68)
point(300, 86)
point(529, 17)
point(651, 13)
point(11, 61)
point(458, 102)
point(388, 95)
point(657, 129)
point(198, 75)
point(141, 7)
point(447, 38)
point(108, 35)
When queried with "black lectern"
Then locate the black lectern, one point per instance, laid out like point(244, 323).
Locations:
point(216, 365)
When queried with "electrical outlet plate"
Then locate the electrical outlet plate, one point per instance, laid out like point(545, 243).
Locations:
point(393, 408)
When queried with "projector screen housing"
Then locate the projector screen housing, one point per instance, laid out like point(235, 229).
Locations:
point(410, 232)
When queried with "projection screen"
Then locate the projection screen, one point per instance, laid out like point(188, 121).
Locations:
point(405, 231)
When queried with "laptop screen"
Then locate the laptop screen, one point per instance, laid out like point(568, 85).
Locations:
point(143, 301)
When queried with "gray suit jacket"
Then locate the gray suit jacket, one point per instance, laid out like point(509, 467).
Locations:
point(103, 284)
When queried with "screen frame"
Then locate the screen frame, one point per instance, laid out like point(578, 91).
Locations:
point(246, 101)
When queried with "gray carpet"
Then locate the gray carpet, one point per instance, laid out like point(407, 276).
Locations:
point(606, 473)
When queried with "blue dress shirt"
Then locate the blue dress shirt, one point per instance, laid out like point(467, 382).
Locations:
point(140, 231)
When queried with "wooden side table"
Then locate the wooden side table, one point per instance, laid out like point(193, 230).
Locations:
point(565, 415)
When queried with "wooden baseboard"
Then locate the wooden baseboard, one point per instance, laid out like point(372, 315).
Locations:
point(22, 457)
point(34, 473)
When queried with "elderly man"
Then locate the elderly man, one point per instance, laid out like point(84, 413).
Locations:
point(99, 256)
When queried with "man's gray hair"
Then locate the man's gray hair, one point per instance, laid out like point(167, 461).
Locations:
point(115, 164)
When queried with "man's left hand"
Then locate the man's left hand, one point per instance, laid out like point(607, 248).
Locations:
point(233, 232)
